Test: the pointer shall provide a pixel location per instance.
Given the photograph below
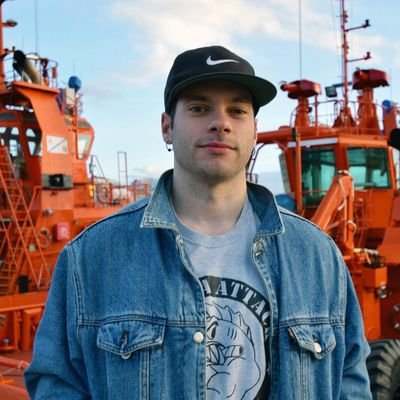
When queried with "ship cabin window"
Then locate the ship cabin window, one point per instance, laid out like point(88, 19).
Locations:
point(84, 144)
point(34, 138)
point(10, 138)
point(369, 167)
point(318, 170)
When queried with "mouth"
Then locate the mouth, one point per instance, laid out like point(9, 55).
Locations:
point(216, 146)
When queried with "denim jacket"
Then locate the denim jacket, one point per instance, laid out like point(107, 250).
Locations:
point(125, 317)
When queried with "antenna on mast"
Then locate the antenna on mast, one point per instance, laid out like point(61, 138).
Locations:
point(300, 43)
point(36, 29)
point(345, 51)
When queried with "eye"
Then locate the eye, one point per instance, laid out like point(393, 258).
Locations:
point(239, 111)
point(197, 108)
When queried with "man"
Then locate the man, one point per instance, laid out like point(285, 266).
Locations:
point(206, 290)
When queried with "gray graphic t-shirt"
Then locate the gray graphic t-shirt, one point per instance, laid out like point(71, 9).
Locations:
point(238, 313)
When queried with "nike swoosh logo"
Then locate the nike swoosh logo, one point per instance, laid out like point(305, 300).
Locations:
point(216, 62)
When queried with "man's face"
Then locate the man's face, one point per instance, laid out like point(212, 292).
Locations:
point(214, 130)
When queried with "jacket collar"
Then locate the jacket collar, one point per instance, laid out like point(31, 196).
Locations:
point(159, 212)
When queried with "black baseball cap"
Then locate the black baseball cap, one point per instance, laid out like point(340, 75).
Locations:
point(215, 62)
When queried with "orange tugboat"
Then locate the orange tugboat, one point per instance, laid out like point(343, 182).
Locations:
point(344, 176)
point(47, 195)
point(340, 175)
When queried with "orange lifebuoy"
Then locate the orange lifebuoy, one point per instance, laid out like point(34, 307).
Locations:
point(103, 194)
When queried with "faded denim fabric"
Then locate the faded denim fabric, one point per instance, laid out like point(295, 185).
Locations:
point(125, 310)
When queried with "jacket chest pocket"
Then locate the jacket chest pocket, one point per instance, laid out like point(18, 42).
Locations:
point(130, 349)
point(310, 364)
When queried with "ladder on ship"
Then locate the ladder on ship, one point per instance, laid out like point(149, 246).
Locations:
point(19, 247)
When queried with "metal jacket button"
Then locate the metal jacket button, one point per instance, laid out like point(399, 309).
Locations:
point(317, 347)
point(126, 356)
point(198, 337)
point(259, 248)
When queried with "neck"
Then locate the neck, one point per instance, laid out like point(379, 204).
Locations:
point(210, 208)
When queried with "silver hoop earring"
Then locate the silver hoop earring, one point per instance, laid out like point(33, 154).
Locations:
point(169, 146)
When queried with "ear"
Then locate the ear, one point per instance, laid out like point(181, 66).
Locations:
point(166, 127)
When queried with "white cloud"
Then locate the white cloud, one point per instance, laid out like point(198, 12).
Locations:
point(178, 25)
point(99, 91)
point(162, 29)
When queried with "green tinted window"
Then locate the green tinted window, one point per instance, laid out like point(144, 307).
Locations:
point(318, 169)
point(369, 167)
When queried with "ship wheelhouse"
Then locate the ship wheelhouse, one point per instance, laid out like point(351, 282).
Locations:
point(342, 174)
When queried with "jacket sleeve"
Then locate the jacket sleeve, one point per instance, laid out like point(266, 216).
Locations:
point(355, 382)
point(57, 370)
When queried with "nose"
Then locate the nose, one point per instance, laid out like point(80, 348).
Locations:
point(219, 123)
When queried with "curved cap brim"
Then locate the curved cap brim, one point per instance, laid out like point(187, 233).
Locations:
point(261, 90)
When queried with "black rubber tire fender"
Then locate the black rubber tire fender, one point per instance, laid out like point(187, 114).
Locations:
point(384, 369)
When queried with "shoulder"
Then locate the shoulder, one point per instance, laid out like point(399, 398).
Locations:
point(295, 224)
point(114, 224)
point(312, 259)
point(305, 239)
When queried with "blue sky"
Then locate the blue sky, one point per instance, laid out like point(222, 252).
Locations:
point(122, 51)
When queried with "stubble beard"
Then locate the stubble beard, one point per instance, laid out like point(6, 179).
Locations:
point(212, 171)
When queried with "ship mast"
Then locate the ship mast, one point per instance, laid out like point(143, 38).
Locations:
point(3, 51)
point(345, 52)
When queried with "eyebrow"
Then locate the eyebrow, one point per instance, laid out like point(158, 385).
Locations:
point(198, 97)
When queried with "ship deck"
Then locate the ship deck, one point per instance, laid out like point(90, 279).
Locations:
point(12, 366)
